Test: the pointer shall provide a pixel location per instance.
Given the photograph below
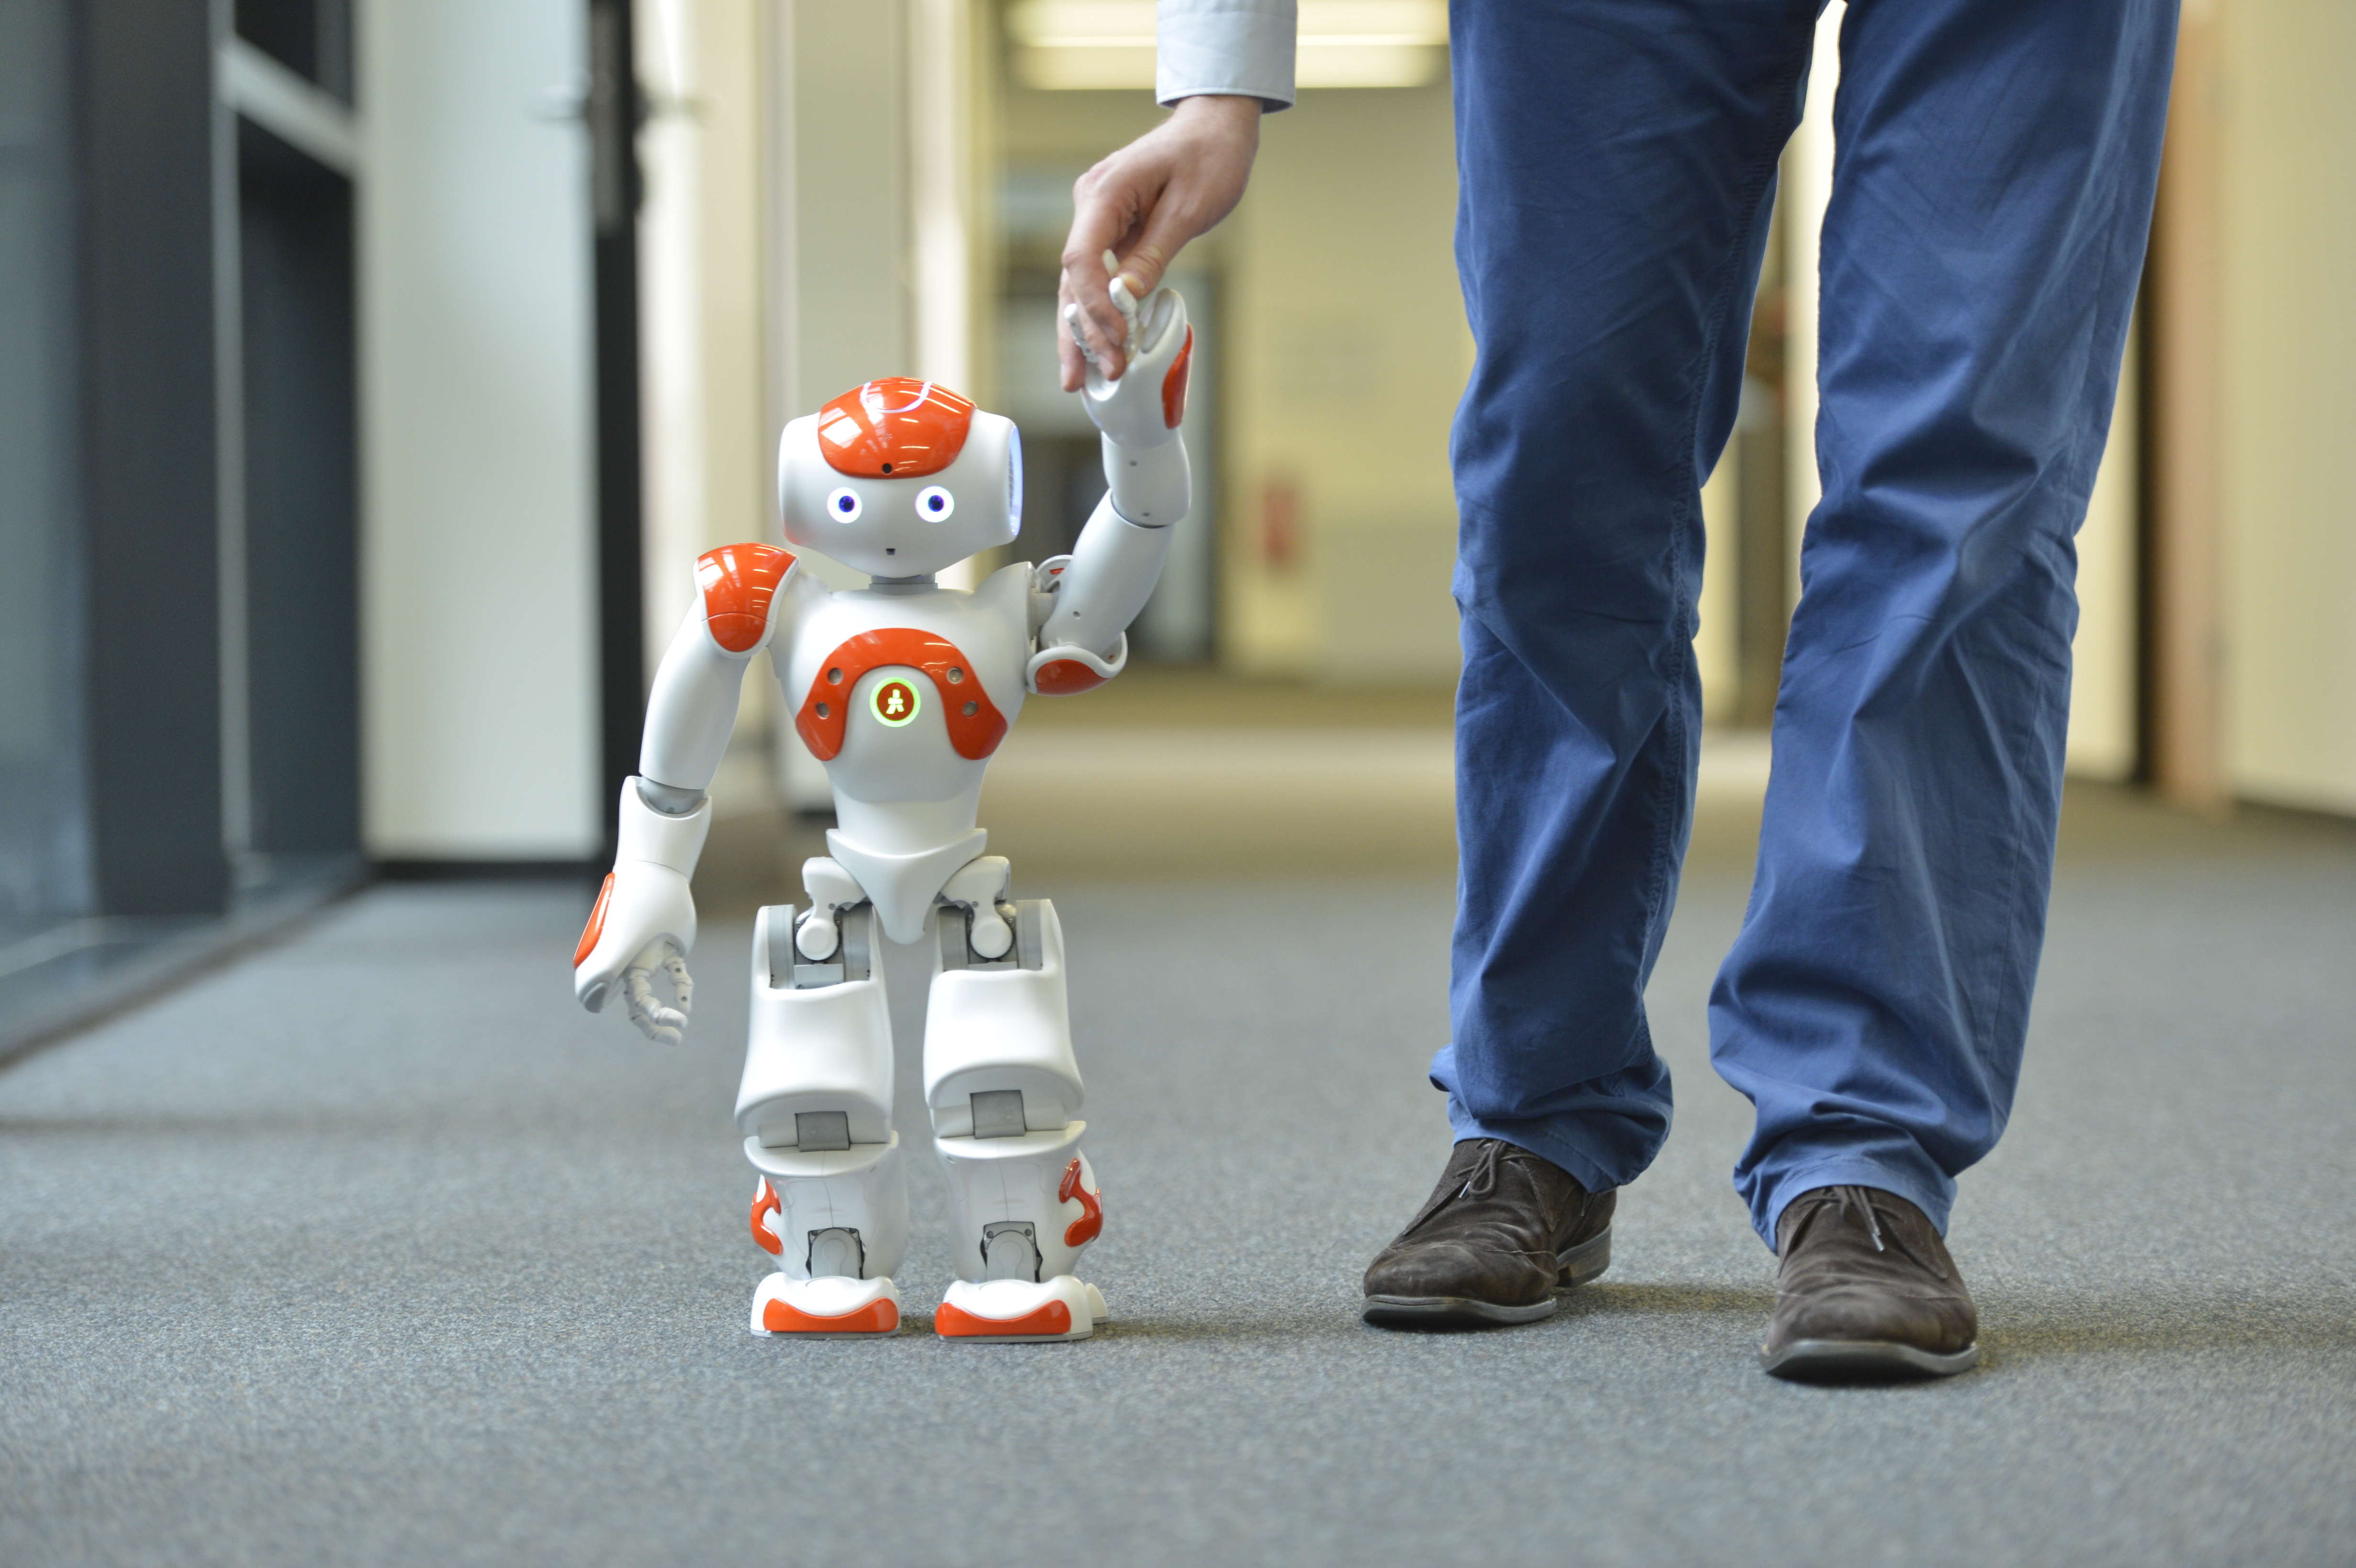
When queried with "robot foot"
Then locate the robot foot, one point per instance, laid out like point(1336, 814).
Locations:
point(830, 1308)
point(999, 1311)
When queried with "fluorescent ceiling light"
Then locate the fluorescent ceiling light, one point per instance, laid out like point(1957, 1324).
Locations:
point(1084, 43)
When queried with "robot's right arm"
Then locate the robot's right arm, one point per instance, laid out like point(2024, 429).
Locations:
point(1118, 559)
point(645, 916)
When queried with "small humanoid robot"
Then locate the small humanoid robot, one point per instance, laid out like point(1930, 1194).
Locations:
point(904, 689)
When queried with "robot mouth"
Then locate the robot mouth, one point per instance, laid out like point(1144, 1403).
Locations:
point(889, 550)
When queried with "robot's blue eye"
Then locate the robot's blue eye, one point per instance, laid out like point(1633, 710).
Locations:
point(842, 505)
point(934, 504)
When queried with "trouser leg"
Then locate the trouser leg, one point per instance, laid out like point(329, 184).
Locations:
point(1991, 195)
point(1617, 163)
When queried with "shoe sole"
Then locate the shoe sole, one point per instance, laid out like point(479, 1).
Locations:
point(1864, 1361)
point(1579, 1265)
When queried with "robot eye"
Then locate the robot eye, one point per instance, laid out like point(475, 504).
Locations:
point(843, 505)
point(934, 504)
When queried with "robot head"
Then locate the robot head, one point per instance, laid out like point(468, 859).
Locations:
point(900, 478)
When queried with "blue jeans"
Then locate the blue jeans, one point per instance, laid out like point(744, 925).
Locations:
point(1991, 196)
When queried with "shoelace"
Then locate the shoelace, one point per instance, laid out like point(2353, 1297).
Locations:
point(1483, 1180)
point(1862, 1199)
point(1480, 1183)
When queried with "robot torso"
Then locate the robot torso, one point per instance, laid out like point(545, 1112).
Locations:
point(904, 694)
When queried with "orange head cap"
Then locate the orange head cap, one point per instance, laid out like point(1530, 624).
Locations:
point(898, 477)
point(897, 427)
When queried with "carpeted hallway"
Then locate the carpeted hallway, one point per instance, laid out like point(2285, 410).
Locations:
point(374, 1249)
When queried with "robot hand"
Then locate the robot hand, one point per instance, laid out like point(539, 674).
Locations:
point(1144, 407)
point(645, 921)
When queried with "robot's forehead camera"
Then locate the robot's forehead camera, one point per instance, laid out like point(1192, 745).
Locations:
point(897, 427)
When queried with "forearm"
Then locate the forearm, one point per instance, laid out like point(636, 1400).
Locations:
point(646, 909)
point(1151, 487)
point(1114, 567)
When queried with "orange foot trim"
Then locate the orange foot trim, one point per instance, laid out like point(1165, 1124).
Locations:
point(1085, 1229)
point(765, 1201)
point(957, 1323)
point(875, 1318)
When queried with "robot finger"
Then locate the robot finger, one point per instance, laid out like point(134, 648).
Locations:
point(1122, 300)
point(1073, 320)
point(663, 1025)
point(682, 984)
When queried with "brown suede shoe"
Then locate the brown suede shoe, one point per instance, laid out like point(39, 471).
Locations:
point(1866, 1293)
point(1503, 1234)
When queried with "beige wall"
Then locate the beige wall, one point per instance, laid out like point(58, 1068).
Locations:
point(2289, 315)
point(1344, 351)
point(700, 258)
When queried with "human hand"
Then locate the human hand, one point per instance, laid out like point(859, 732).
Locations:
point(1144, 204)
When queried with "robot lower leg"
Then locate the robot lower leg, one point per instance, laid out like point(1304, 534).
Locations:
point(1002, 1087)
point(814, 1106)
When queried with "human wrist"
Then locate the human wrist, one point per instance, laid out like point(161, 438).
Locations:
point(1219, 112)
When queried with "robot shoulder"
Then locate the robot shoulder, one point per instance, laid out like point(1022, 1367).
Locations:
point(1005, 594)
point(739, 584)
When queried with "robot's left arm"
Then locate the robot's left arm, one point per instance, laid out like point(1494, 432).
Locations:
point(1091, 601)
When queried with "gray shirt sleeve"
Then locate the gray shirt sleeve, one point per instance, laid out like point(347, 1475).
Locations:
point(1239, 46)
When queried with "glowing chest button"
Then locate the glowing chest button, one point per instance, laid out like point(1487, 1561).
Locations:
point(894, 702)
point(975, 725)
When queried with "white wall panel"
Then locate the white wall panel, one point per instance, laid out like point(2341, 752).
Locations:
point(479, 567)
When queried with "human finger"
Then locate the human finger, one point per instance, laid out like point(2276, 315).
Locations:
point(1106, 203)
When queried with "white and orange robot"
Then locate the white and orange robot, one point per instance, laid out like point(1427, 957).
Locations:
point(904, 689)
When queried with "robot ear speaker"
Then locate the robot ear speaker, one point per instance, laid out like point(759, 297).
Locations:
point(1013, 480)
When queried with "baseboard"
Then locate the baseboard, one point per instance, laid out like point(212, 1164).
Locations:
point(404, 869)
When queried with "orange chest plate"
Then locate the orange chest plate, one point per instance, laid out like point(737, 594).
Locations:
point(976, 726)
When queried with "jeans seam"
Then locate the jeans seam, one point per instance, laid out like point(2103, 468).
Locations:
point(1754, 186)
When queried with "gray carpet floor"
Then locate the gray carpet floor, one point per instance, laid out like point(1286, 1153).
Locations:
point(373, 1249)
